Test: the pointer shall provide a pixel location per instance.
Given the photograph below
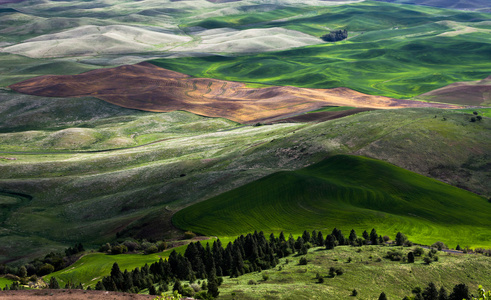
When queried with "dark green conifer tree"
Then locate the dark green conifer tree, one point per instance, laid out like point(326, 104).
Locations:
point(430, 292)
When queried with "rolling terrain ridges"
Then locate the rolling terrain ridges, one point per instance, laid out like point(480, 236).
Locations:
point(345, 192)
point(147, 87)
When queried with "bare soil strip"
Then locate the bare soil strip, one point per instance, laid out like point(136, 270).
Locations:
point(150, 88)
point(474, 93)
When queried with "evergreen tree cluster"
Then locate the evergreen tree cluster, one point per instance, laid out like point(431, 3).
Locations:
point(334, 36)
point(431, 292)
point(250, 253)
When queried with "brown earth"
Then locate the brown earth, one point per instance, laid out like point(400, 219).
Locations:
point(69, 295)
point(476, 93)
point(147, 87)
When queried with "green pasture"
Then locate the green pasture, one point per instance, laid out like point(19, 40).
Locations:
point(4, 282)
point(365, 273)
point(91, 267)
point(485, 112)
point(88, 124)
point(346, 192)
point(393, 50)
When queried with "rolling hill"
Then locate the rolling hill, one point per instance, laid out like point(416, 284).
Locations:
point(147, 87)
point(346, 192)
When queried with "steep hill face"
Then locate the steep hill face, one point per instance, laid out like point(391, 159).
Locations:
point(345, 191)
point(151, 88)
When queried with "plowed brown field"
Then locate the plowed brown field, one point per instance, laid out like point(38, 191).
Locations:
point(147, 87)
point(464, 93)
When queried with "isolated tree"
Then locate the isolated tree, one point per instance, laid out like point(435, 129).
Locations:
point(22, 272)
point(330, 242)
point(410, 257)
point(354, 293)
point(374, 237)
point(382, 296)
point(400, 239)
point(460, 291)
point(430, 292)
point(353, 237)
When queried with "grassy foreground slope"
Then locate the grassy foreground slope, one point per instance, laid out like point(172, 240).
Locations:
point(365, 273)
point(393, 50)
point(346, 191)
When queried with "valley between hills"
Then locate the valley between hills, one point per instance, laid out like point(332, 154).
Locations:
point(146, 130)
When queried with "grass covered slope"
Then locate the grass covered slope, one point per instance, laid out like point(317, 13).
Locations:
point(346, 192)
point(392, 50)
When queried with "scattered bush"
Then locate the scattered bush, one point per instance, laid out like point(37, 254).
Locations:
point(189, 235)
point(333, 271)
point(303, 261)
point(252, 282)
point(354, 293)
point(439, 246)
point(265, 277)
point(394, 255)
point(419, 251)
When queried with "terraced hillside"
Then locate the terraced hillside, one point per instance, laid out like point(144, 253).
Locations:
point(150, 88)
point(346, 191)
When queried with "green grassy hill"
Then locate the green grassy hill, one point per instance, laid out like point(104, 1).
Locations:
point(135, 191)
point(346, 192)
point(369, 273)
point(393, 50)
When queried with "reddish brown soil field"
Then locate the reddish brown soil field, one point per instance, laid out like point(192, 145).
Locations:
point(147, 87)
point(69, 295)
point(463, 93)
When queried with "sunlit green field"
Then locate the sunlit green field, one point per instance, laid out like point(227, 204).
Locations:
point(346, 192)
point(392, 50)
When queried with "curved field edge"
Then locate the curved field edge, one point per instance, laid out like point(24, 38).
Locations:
point(399, 51)
point(346, 192)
